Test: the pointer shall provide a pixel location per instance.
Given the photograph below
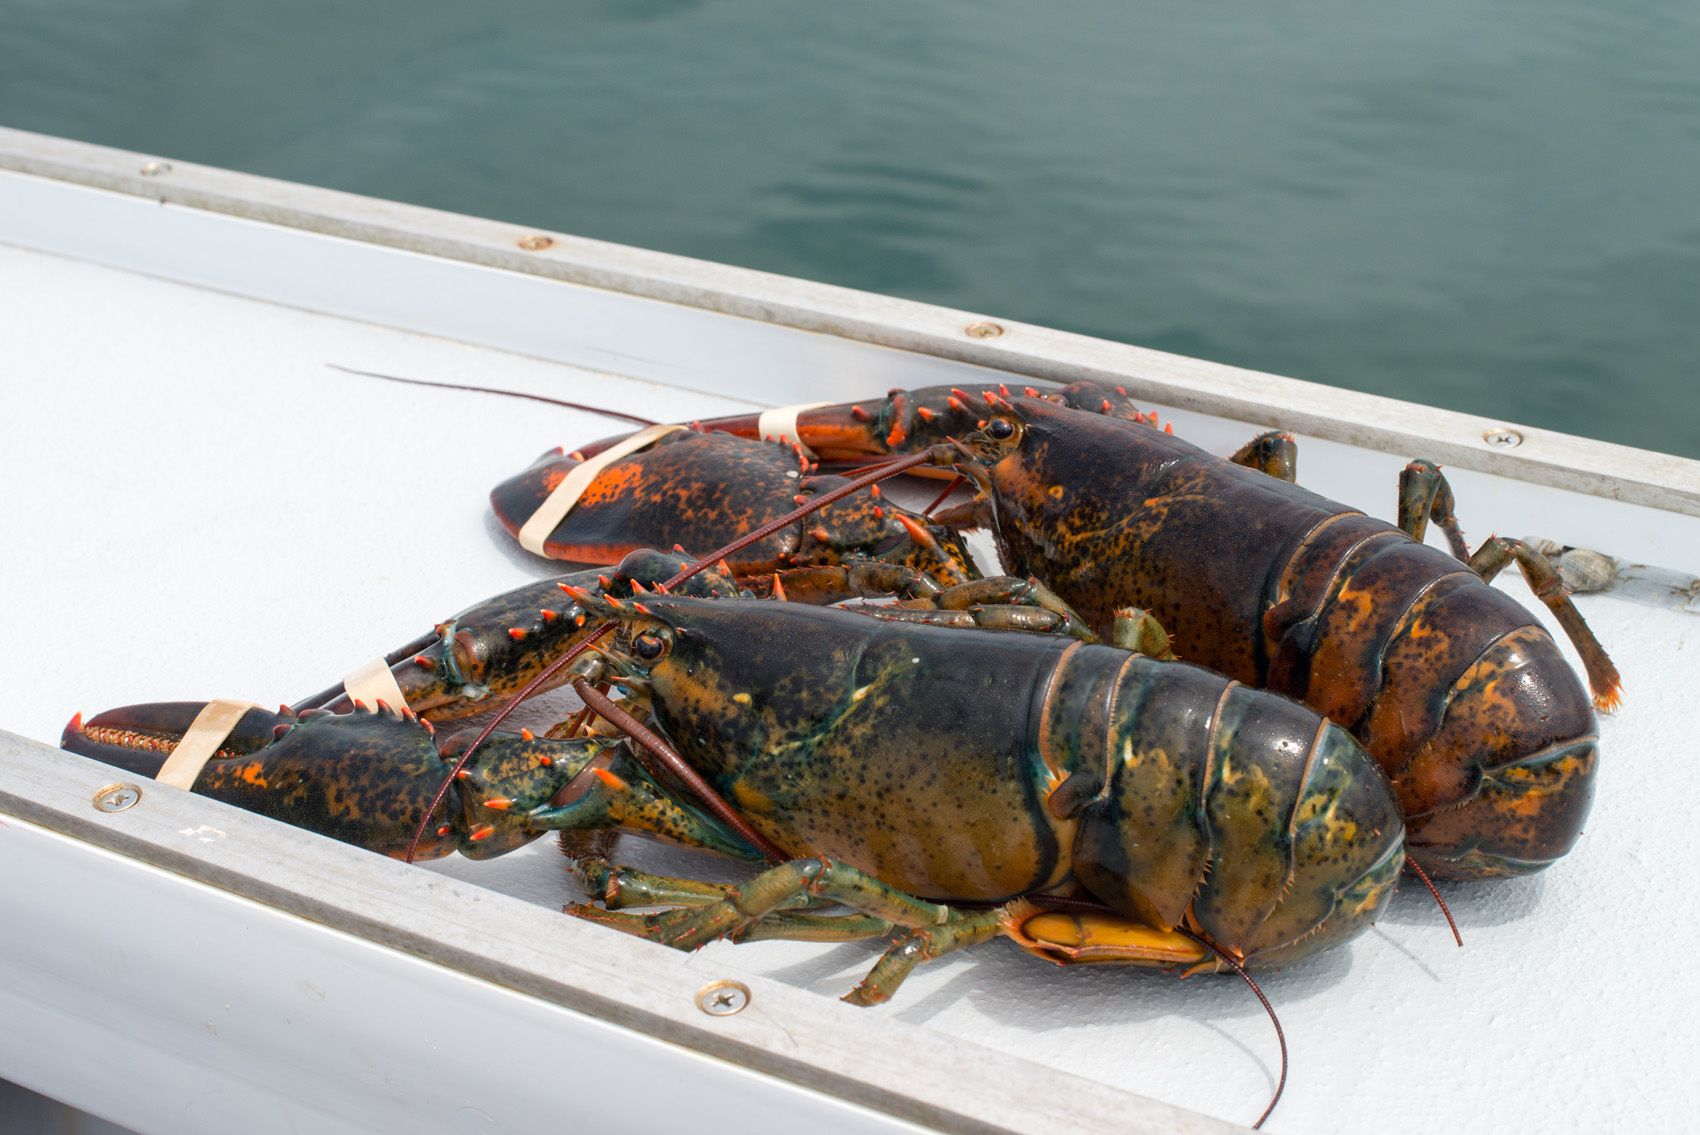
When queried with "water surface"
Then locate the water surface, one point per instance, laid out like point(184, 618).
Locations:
point(1493, 207)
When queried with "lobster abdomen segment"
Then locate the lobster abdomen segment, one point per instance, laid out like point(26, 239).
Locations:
point(1236, 812)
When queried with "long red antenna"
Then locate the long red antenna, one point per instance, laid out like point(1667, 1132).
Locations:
point(1444, 909)
point(669, 756)
point(624, 417)
point(1280, 1036)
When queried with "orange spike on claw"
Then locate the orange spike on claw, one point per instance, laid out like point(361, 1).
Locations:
point(926, 412)
point(1030, 391)
point(778, 588)
point(859, 414)
point(445, 829)
point(639, 607)
point(482, 831)
point(76, 725)
point(545, 760)
point(955, 403)
point(610, 779)
point(578, 620)
point(423, 662)
point(516, 633)
point(527, 735)
point(916, 532)
point(498, 803)
point(548, 615)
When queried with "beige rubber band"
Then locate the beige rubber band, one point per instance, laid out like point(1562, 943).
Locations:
point(373, 683)
point(782, 423)
point(557, 504)
point(208, 731)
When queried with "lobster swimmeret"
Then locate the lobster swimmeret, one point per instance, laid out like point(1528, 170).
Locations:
point(1462, 697)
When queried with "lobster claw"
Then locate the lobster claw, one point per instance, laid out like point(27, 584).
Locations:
point(492, 649)
point(139, 738)
point(702, 490)
point(681, 490)
point(366, 778)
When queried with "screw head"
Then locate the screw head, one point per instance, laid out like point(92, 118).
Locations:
point(1502, 437)
point(155, 169)
point(984, 329)
point(117, 797)
point(536, 242)
point(723, 998)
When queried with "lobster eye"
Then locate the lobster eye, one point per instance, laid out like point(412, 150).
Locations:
point(649, 646)
point(1000, 429)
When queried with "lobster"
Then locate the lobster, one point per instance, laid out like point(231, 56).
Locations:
point(895, 764)
point(1460, 695)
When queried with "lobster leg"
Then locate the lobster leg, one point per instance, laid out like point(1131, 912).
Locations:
point(1274, 453)
point(761, 910)
point(1543, 579)
point(1424, 495)
point(1005, 602)
point(1138, 630)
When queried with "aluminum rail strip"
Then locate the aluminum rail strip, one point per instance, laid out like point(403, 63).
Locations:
point(619, 1043)
point(828, 313)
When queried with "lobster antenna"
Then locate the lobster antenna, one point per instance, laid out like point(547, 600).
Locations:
point(1444, 909)
point(710, 798)
point(940, 499)
point(677, 765)
point(1280, 1036)
point(495, 390)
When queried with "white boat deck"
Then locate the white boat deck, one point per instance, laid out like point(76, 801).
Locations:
point(200, 506)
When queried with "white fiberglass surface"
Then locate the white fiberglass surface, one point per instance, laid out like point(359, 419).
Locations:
point(199, 506)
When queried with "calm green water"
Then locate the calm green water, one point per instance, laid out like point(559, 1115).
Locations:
point(1492, 205)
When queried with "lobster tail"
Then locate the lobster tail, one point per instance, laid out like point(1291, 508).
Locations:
point(1233, 812)
point(1503, 786)
point(1464, 700)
